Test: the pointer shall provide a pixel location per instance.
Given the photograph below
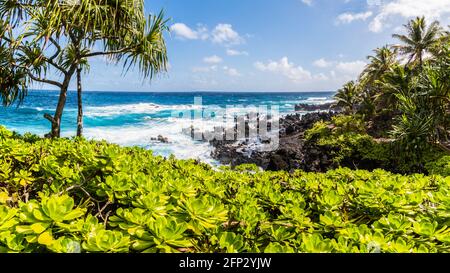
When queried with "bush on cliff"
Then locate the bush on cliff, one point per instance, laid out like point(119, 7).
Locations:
point(347, 143)
point(345, 140)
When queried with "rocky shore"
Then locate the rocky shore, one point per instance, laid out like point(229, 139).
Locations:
point(317, 107)
point(293, 151)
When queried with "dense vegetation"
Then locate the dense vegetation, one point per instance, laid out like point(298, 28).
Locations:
point(85, 196)
point(398, 111)
point(348, 142)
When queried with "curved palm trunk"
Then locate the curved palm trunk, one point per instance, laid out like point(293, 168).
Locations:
point(80, 104)
point(56, 119)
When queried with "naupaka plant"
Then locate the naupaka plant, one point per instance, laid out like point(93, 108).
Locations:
point(89, 196)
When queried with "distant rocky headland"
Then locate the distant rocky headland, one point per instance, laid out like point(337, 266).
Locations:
point(317, 107)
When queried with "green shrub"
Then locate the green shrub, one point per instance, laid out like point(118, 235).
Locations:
point(346, 140)
point(71, 196)
point(440, 167)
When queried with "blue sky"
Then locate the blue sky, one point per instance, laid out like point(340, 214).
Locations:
point(268, 45)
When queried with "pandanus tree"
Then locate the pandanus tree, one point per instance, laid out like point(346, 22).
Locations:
point(423, 98)
point(40, 39)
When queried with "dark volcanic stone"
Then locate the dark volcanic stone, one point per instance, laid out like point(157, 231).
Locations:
point(292, 152)
point(277, 163)
point(160, 139)
point(316, 107)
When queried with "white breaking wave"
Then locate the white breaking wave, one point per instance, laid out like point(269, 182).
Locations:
point(180, 144)
point(138, 108)
point(176, 130)
point(318, 100)
point(42, 109)
point(113, 110)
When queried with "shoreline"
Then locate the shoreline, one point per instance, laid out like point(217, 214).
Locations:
point(134, 120)
point(292, 153)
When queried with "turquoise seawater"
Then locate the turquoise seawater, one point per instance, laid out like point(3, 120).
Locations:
point(128, 118)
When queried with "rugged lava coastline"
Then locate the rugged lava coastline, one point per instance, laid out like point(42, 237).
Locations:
point(293, 151)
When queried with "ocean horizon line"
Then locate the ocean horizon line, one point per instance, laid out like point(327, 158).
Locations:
point(185, 92)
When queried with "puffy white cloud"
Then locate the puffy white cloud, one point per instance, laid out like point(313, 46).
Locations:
point(233, 72)
point(182, 31)
point(322, 63)
point(212, 59)
point(230, 71)
point(232, 52)
point(352, 69)
point(308, 2)
point(333, 74)
point(225, 34)
point(222, 34)
point(387, 10)
point(204, 69)
point(285, 68)
point(347, 18)
point(321, 77)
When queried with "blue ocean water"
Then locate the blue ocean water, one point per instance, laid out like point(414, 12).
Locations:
point(129, 118)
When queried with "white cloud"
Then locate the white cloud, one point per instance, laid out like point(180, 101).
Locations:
point(285, 68)
point(308, 2)
point(225, 35)
point(347, 18)
point(212, 59)
point(222, 34)
point(182, 31)
point(352, 69)
point(387, 10)
point(204, 69)
point(232, 52)
point(233, 72)
point(322, 63)
point(333, 74)
point(321, 77)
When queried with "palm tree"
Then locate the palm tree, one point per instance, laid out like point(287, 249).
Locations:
point(380, 63)
point(419, 40)
point(396, 81)
point(61, 34)
point(348, 97)
point(383, 60)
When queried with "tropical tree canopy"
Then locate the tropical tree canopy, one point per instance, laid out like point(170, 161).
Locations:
point(413, 96)
point(347, 96)
point(419, 40)
point(37, 36)
point(379, 63)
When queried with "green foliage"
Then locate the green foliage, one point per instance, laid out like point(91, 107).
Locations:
point(409, 101)
point(440, 167)
point(348, 97)
point(86, 196)
point(348, 144)
point(346, 139)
